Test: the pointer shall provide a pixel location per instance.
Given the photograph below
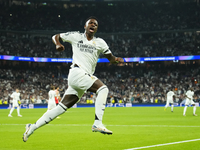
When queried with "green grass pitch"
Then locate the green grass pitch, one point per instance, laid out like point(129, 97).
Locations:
point(132, 127)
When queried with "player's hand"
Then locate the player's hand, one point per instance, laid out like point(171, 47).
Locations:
point(119, 60)
point(60, 48)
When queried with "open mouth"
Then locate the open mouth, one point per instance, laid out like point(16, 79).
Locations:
point(91, 29)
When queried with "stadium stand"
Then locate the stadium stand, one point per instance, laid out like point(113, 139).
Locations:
point(168, 30)
point(134, 82)
point(142, 45)
point(129, 16)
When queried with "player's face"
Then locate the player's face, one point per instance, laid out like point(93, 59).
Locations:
point(91, 26)
point(17, 90)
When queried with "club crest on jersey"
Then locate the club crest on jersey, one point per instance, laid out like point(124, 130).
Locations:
point(94, 43)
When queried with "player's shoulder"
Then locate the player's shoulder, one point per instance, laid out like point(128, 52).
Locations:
point(72, 33)
point(99, 39)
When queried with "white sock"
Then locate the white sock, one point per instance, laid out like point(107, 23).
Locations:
point(100, 104)
point(18, 111)
point(194, 109)
point(49, 116)
point(184, 110)
point(11, 110)
point(172, 106)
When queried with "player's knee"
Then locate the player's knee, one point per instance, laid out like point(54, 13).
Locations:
point(69, 100)
point(103, 89)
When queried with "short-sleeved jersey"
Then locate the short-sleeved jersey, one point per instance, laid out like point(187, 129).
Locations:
point(170, 94)
point(190, 94)
point(52, 95)
point(15, 96)
point(85, 53)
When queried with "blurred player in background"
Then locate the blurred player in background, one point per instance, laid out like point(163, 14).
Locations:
point(16, 98)
point(170, 99)
point(86, 50)
point(189, 101)
point(51, 101)
point(57, 97)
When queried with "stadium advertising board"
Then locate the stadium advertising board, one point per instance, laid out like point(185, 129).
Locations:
point(100, 60)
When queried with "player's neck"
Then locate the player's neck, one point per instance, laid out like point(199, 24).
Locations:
point(89, 36)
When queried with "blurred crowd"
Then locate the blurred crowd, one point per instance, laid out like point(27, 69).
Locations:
point(33, 84)
point(140, 45)
point(129, 16)
point(131, 29)
point(127, 84)
point(150, 29)
point(25, 45)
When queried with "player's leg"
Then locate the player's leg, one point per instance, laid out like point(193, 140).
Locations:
point(172, 107)
point(102, 92)
point(69, 99)
point(82, 81)
point(67, 102)
point(194, 109)
point(18, 111)
point(51, 106)
point(187, 102)
point(167, 104)
point(185, 109)
point(11, 110)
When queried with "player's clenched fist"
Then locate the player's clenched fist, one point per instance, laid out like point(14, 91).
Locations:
point(60, 48)
point(119, 60)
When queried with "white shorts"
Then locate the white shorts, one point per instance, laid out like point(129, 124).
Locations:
point(170, 101)
point(79, 81)
point(51, 105)
point(189, 102)
point(15, 104)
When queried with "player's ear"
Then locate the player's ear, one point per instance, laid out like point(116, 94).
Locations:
point(84, 26)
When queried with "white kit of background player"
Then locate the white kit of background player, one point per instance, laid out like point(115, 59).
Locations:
point(86, 49)
point(16, 97)
point(51, 101)
point(170, 96)
point(189, 101)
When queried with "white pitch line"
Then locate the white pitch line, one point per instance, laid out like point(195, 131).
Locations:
point(163, 144)
point(153, 126)
point(173, 126)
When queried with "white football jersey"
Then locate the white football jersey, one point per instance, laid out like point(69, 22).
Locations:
point(190, 94)
point(52, 95)
point(85, 53)
point(170, 94)
point(15, 96)
point(57, 93)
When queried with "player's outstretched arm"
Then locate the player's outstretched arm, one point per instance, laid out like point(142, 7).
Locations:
point(56, 40)
point(114, 59)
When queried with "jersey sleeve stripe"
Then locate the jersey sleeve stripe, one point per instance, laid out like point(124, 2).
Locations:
point(106, 51)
